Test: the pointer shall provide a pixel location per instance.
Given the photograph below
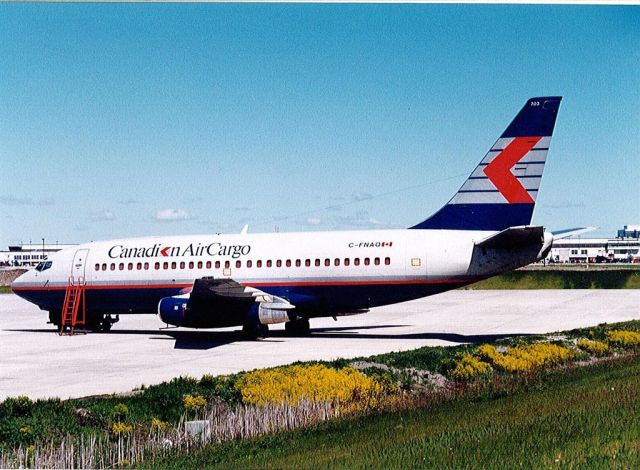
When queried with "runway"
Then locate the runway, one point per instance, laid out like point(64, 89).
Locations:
point(36, 362)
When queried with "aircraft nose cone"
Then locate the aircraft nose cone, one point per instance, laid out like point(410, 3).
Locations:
point(21, 281)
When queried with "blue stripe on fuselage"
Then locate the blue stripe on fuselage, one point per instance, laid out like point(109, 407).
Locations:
point(310, 300)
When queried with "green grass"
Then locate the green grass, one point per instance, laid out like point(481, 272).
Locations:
point(5, 289)
point(554, 279)
point(587, 417)
point(53, 419)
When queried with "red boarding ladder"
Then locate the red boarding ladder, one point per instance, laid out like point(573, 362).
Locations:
point(74, 308)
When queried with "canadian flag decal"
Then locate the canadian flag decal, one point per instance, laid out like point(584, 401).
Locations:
point(499, 170)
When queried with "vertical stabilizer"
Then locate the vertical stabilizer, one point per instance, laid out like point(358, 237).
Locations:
point(501, 192)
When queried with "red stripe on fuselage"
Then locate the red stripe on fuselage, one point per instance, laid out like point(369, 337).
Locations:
point(260, 284)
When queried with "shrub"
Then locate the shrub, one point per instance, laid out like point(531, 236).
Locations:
point(526, 358)
point(293, 384)
point(470, 368)
point(597, 348)
point(120, 411)
point(624, 338)
point(194, 402)
point(18, 406)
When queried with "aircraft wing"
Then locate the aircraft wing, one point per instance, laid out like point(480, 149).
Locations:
point(209, 292)
point(514, 237)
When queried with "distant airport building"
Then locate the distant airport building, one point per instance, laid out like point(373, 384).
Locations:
point(625, 248)
point(29, 254)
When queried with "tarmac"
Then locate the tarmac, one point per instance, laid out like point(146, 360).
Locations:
point(36, 362)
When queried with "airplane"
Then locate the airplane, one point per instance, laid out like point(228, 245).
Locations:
point(256, 280)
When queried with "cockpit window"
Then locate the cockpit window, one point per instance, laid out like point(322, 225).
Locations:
point(44, 265)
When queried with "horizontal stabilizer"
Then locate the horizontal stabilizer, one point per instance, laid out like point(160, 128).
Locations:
point(571, 232)
point(514, 237)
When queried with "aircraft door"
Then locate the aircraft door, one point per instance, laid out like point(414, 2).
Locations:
point(79, 264)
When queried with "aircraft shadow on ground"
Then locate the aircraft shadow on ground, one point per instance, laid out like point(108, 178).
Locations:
point(206, 339)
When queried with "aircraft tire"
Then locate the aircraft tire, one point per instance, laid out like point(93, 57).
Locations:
point(55, 317)
point(298, 328)
point(255, 331)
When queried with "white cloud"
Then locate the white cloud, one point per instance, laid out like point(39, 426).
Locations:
point(360, 196)
point(359, 219)
point(102, 216)
point(11, 200)
point(168, 215)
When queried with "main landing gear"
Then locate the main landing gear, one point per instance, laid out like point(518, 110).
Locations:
point(299, 327)
point(254, 331)
point(295, 328)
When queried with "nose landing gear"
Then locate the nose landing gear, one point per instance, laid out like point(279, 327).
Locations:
point(95, 322)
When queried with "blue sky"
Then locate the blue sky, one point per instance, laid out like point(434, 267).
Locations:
point(122, 120)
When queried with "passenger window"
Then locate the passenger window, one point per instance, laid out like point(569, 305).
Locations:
point(366, 261)
point(327, 262)
point(279, 263)
point(307, 262)
point(199, 264)
point(156, 266)
point(97, 267)
point(259, 263)
point(104, 266)
point(217, 265)
point(191, 264)
point(139, 266)
point(182, 264)
point(173, 265)
point(346, 261)
point(121, 266)
point(130, 266)
point(238, 264)
point(298, 263)
point(387, 261)
point(317, 262)
point(268, 263)
point(376, 261)
point(165, 265)
point(336, 262)
point(227, 265)
point(146, 266)
point(249, 263)
point(356, 261)
point(208, 265)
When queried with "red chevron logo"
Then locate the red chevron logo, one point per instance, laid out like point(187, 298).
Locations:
point(165, 251)
point(499, 170)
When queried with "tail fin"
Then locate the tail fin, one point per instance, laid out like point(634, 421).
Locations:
point(501, 192)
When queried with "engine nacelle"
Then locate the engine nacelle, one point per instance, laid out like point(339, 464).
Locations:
point(180, 311)
point(173, 310)
point(269, 316)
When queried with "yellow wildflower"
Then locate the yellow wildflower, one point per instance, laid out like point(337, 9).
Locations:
point(470, 367)
point(624, 338)
point(121, 428)
point(194, 402)
point(292, 384)
point(593, 347)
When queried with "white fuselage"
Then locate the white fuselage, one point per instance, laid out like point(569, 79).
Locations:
point(361, 268)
